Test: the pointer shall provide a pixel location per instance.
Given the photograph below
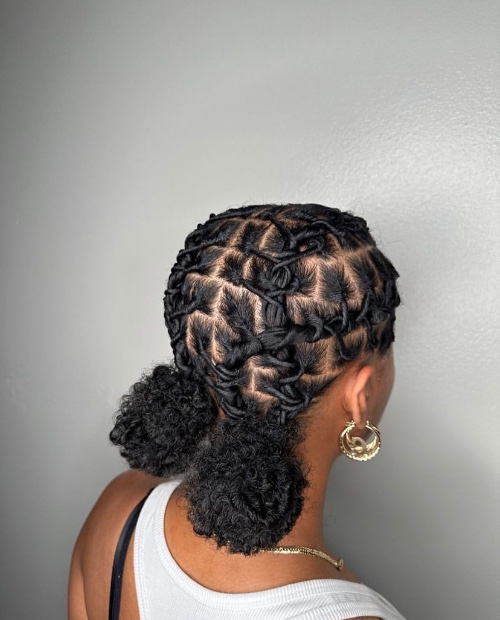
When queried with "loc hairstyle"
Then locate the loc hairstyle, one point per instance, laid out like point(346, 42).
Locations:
point(265, 306)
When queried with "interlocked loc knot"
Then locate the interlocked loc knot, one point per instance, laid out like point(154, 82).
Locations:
point(266, 303)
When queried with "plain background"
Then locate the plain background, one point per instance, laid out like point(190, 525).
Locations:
point(124, 124)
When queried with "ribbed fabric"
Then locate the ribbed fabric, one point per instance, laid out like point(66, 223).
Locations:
point(166, 592)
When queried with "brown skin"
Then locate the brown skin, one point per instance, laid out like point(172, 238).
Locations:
point(361, 393)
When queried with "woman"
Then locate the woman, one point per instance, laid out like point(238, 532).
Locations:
point(281, 319)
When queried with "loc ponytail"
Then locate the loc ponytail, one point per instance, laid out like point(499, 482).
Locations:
point(245, 485)
point(162, 420)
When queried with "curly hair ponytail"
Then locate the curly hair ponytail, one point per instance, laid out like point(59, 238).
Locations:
point(162, 420)
point(265, 306)
point(245, 486)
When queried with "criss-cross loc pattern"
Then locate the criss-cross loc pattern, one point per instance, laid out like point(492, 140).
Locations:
point(266, 303)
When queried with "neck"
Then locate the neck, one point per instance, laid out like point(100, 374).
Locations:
point(219, 570)
point(308, 529)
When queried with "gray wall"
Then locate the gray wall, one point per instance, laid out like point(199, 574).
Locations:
point(123, 124)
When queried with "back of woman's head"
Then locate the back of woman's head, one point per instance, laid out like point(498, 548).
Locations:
point(265, 307)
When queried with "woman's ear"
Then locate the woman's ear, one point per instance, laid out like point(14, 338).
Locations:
point(356, 393)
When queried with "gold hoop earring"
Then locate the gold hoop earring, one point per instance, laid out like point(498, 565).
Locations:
point(356, 448)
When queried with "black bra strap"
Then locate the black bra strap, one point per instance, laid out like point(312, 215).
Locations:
point(119, 560)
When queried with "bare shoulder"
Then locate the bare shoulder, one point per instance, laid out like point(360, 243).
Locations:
point(118, 498)
point(108, 516)
point(90, 574)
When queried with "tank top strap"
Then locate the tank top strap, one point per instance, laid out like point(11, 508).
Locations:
point(119, 560)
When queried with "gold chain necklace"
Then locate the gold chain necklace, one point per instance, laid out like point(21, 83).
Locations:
point(339, 564)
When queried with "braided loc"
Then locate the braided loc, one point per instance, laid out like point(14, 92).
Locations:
point(264, 306)
point(258, 291)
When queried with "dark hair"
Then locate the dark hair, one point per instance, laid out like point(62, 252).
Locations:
point(264, 306)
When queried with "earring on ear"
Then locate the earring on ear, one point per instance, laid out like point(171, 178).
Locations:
point(356, 448)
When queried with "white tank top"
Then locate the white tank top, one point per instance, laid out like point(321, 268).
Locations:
point(166, 592)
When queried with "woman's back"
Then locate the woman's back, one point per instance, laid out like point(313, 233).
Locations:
point(155, 586)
